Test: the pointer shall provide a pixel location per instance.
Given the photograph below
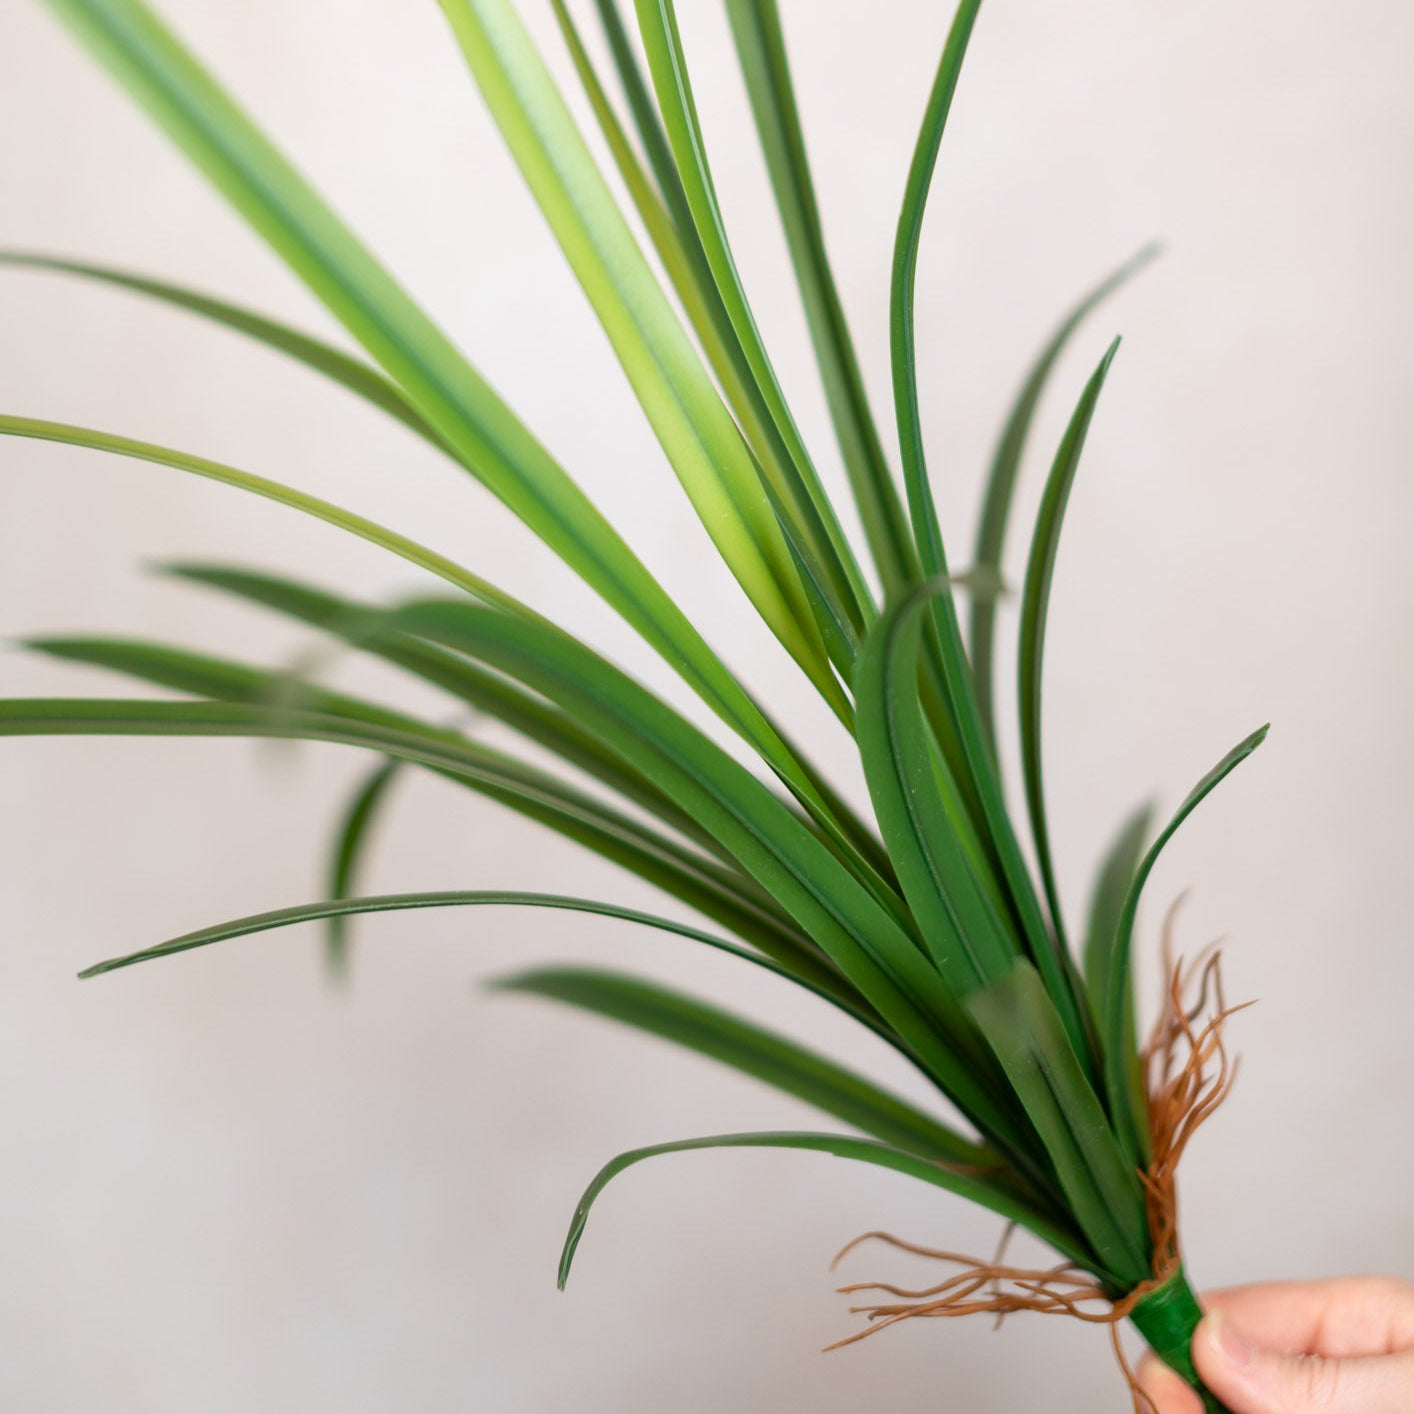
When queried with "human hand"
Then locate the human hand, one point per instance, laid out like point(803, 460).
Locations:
point(1321, 1347)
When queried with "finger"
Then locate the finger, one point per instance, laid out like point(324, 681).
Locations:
point(1170, 1392)
point(1252, 1380)
point(1345, 1316)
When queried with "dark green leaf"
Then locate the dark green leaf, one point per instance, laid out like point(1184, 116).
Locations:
point(962, 736)
point(349, 844)
point(751, 1049)
point(1132, 1129)
point(354, 374)
point(831, 904)
point(761, 48)
point(974, 1187)
point(533, 793)
point(924, 820)
point(1035, 600)
point(338, 908)
point(1101, 1187)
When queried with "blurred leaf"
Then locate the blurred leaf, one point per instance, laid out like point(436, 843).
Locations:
point(356, 824)
point(1001, 482)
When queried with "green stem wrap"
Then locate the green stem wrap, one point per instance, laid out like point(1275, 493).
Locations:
point(1167, 1317)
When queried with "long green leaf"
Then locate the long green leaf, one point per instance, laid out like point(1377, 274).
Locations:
point(460, 634)
point(973, 1187)
point(839, 613)
point(924, 820)
point(354, 374)
point(1002, 477)
point(376, 534)
point(350, 843)
point(761, 49)
point(747, 1047)
point(485, 434)
point(362, 626)
point(955, 679)
point(797, 481)
point(825, 807)
point(1133, 1132)
point(723, 894)
point(532, 793)
point(832, 905)
point(1101, 1187)
point(695, 430)
point(1035, 600)
point(480, 898)
point(369, 630)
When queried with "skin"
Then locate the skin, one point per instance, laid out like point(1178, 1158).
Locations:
point(1344, 1346)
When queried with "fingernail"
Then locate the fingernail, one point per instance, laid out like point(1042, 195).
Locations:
point(1236, 1348)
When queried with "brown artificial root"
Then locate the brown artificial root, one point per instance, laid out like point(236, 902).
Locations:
point(1188, 1075)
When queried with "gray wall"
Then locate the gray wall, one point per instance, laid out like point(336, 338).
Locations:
point(227, 1187)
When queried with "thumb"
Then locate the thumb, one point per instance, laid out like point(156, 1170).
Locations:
point(1250, 1380)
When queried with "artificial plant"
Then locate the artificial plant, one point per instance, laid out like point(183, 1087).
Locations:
point(926, 923)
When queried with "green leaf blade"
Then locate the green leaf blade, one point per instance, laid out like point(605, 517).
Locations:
point(972, 1187)
point(1035, 602)
point(751, 1049)
point(1102, 1189)
point(1130, 1124)
point(920, 810)
point(761, 50)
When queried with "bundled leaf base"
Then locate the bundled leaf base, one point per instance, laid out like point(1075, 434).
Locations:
point(1189, 1074)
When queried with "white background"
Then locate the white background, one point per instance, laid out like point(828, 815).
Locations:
point(225, 1186)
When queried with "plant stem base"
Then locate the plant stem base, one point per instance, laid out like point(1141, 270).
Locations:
point(1167, 1318)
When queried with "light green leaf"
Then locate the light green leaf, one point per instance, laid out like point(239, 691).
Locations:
point(782, 452)
point(368, 530)
point(695, 430)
